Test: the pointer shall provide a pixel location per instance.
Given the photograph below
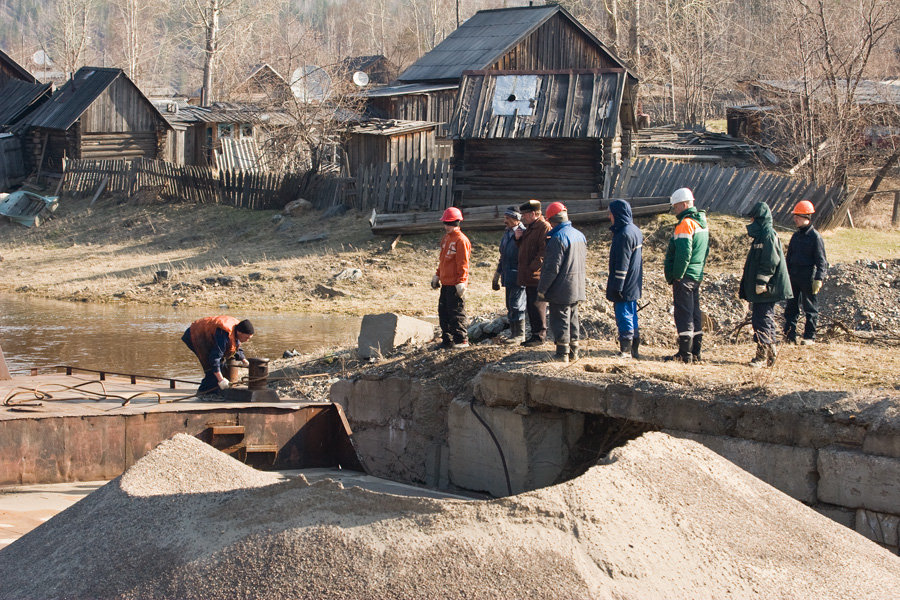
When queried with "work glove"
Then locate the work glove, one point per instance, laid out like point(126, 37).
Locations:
point(224, 384)
point(495, 283)
point(244, 363)
point(816, 286)
point(461, 290)
point(541, 297)
point(435, 282)
point(760, 290)
point(617, 296)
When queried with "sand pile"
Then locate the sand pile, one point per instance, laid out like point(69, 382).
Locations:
point(664, 518)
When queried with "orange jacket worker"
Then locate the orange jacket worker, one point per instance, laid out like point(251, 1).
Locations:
point(452, 276)
point(215, 340)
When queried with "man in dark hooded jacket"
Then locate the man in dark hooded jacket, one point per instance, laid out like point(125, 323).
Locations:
point(765, 283)
point(626, 276)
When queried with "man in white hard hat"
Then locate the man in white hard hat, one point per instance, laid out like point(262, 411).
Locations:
point(683, 266)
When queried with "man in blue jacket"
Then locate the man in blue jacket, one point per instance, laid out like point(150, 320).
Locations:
point(562, 281)
point(626, 276)
point(507, 274)
point(807, 264)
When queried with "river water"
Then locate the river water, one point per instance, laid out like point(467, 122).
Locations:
point(145, 340)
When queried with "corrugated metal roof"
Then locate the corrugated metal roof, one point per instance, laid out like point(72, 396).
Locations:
point(867, 91)
point(407, 88)
point(485, 37)
point(581, 103)
point(477, 43)
point(391, 126)
point(17, 97)
point(71, 100)
point(227, 112)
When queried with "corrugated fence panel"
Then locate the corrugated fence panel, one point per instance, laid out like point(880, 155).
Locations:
point(726, 189)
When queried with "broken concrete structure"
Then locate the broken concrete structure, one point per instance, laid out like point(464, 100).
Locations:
point(838, 452)
point(382, 334)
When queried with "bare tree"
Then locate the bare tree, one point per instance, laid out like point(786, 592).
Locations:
point(70, 33)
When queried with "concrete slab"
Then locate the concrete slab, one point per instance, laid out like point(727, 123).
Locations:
point(858, 480)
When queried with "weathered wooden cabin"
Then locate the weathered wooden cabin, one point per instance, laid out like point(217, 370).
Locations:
point(199, 132)
point(537, 134)
point(509, 39)
point(264, 86)
point(375, 142)
point(10, 69)
point(98, 114)
point(377, 67)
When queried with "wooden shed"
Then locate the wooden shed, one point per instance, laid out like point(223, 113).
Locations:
point(379, 141)
point(10, 69)
point(98, 114)
point(509, 39)
point(540, 134)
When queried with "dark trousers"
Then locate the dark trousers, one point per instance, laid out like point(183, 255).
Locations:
point(537, 313)
point(452, 315)
point(565, 324)
point(209, 382)
point(688, 318)
point(762, 317)
point(803, 296)
point(515, 303)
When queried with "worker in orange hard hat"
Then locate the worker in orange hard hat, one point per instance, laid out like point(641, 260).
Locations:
point(532, 243)
point(806, 263)
point(452, 276)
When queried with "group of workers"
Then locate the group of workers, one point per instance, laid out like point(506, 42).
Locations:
point(542, 267)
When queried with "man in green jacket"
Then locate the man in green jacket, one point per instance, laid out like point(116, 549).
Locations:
point(684, 264)
point(765, 283)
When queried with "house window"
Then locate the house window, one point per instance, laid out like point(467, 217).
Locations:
point(226, 130)
point(246, 130)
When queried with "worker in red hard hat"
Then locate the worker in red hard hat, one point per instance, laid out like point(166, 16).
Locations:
point(562, 281)
point(806, 263)
point(532, 243)
point(452, 276)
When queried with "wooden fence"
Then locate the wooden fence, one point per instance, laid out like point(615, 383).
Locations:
point(729, 190)
point(12, 170)
point(423, 185)
point(185, 183)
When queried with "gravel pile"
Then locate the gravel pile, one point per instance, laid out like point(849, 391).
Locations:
point(662, 518)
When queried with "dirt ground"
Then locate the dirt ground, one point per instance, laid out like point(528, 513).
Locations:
point(217, 255)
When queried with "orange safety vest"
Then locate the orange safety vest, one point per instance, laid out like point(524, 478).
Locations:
point(203, 330)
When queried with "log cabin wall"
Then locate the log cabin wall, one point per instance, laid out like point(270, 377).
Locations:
point(121, 124)
point(488, 172)
point(364, 149)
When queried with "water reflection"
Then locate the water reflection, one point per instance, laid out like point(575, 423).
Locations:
point(145, 339)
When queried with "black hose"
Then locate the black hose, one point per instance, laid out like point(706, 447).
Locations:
point(496, 443)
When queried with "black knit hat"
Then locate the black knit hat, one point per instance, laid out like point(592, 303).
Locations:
point(244, 326)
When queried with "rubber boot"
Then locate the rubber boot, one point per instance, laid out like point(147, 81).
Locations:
point(696, 345)
point(573, 352)
point(761, 354)
point(771, 354)
point(684, 350)
point(562, 354)
point(517, 331)
point(625, 345)
point(635, 345)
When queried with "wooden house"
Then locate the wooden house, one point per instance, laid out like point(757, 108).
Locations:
point(264, 87)
point(509, 39)
point(200, 132)
point(98, 114)
point(375, 142)
point(10, 69)
point(548, 135)
point(377, 68)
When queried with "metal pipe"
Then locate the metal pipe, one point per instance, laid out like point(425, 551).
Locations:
point(259, 373)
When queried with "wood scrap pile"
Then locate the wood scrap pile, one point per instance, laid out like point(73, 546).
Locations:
point(698, 146)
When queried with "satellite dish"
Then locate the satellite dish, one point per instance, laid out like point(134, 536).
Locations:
point(40, 58)
point(310, 83)
point(361, 79)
